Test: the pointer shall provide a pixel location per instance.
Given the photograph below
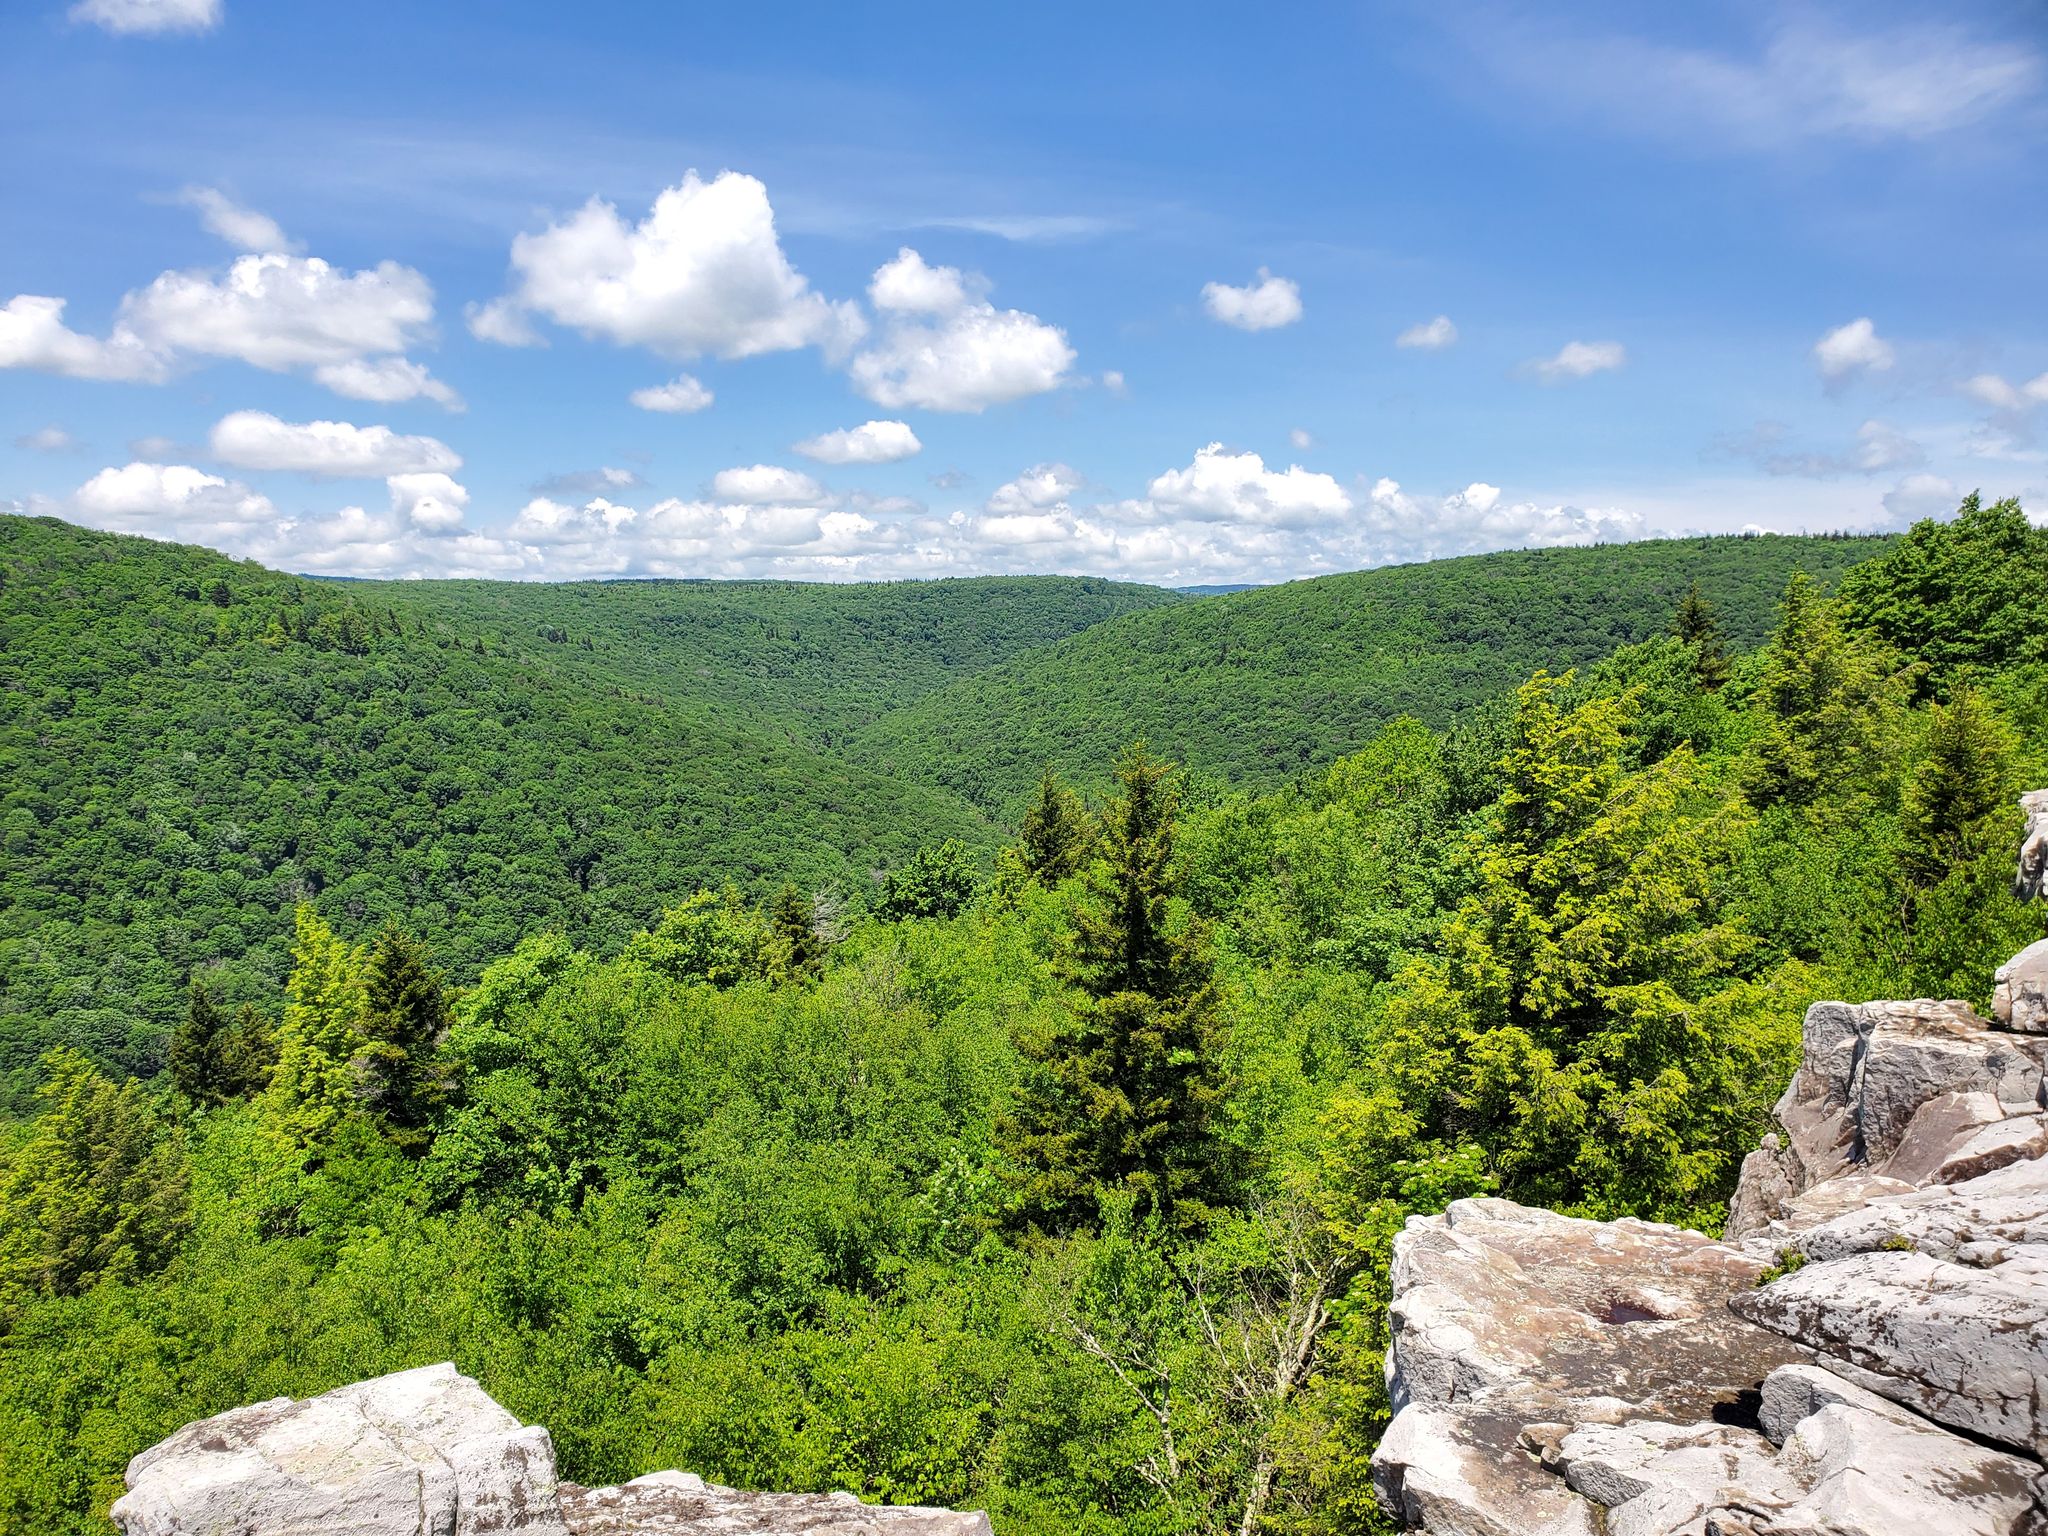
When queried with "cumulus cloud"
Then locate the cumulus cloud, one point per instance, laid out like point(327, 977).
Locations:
point(909, 286)
point(429, 500)
point(1578, 360)
point(704, 272)
point(680, 396)
point(765, 485)
point(503, 322)
point(586, 482)
point(1113, 381)
point(872, 442)
point(1921, 496)
point(386, 381)
point(243, 228)
point(333, 449)
point(1851, 349)
point(273, 310)
point(1260, 305)
point(1041, 486)
point(1300, 439)
point(171, 501)
point(1430, 335)
point(127, 18)
point(1237, 487)
point(33, 335)
point(945, 349)
point(52, 439)
point(1477, 519)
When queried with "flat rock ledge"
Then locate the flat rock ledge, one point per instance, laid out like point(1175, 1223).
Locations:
point(427, 1452)
point(1864, 1353)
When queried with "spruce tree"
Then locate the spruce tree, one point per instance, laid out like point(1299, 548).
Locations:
point(794, 933)
point(1694, 624)
point(1957, 800)
point(405, 1015)
point(1055, 834)
point(312, 1088)
point(248, 1054)
point(1129, 1089)
point(197, 1046)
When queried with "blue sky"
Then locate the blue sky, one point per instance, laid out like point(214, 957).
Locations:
point(1190, 294)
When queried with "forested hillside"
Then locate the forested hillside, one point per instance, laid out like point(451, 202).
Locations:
point(1061, 1185)
point(1060, 1182)
point(820, 658)
point(1256, 686)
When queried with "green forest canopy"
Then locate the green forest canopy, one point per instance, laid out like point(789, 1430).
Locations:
point(977, 1183)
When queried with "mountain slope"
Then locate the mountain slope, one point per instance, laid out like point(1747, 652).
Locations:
point(816, 657)
point(1257, 685)
point(190, 744)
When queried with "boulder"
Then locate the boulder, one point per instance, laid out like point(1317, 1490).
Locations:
point(679, 1504)
point(2019, 996)
point(2031, 884)
point(419, 1453)
point(428, 1453)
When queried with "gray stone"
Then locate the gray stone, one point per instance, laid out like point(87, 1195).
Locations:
point(2031, 884)
point(418, 1453)
point(2019, 997)
point(679, 1504)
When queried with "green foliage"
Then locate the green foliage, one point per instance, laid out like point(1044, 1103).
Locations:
point(938, 882)
point(1696, 628)
point(1074, 1202)
point(96, 1191)
point(1257, 687)
point(1129, 1090)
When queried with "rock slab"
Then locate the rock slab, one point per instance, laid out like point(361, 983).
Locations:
point(427, 1452)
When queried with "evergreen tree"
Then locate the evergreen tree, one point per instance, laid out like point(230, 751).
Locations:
point(1128, 1091)
point(99, 1187)
point(405, 1015)
point(248, 1054)
point(313, 1086)
point(794, 935)
point(196, 1050)
point(1959, 799)
point(1827, 703)
point(1055, 834)
point(1695, 624)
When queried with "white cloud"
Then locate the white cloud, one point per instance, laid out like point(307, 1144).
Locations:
point(258, 440)
point(243, 228)
point(1993, 390)
point(503, 322)
point(1258, 306)
point(1806, 80)
point(702, 273)
point(1919, 496)
point(127, 18)
point(51, 439)
point(170, 501)
point(1300, 439)
point(1430, 336)
point(962, 354)
point(1113, 381)
point(33, 335)
point(680, 396)
point(1878, 446)
point(872, 442)
point(1239, 488)
point(386, 381)
point(1476, 519)
point(1578, 360)
point(429, 501)
point(766, 484)
point(279, 312)
point(273, 310)
point(1041, 486)
point(908, 285)
point(1852, 348)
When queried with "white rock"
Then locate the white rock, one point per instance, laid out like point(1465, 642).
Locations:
point(418, 1453)
point(2019, 996)
point(2031, 884)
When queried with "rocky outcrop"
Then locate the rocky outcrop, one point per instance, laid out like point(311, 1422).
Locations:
point(1865, 1351)
point(427, 1452)
point(2031, 883)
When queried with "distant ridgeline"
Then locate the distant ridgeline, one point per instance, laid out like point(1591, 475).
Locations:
point(193, 744)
